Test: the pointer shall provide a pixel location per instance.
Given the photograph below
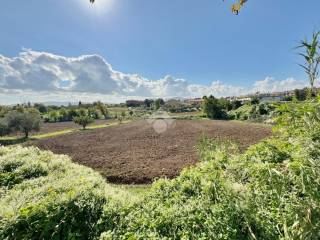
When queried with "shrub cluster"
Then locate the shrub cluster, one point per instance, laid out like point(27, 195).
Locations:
point(258, 112)
point(45, 196)
point(64, 114)
point(217, 108)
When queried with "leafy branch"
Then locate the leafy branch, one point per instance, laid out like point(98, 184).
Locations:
point(235, 8)
point(311, 55)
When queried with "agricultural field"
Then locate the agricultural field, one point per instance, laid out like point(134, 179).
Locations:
point(136, 153)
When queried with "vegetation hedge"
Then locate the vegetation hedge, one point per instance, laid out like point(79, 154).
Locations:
point(45, 196)
point(259, 112)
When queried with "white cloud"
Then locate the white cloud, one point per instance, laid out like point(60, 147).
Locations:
point(42, 76)
point(269, 84)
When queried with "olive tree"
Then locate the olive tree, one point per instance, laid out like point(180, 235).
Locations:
point(4, 128)
point(25, 122)
point(83, 120)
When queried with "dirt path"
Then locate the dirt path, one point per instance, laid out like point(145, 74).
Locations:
point(136, 153)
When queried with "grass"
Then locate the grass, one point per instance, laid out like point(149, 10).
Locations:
point(124, 192)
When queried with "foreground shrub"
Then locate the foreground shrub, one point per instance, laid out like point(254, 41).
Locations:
point(199, 204)
point(45, 196)
point(282, 187)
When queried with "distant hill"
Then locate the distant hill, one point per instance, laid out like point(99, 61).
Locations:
point(58, 103)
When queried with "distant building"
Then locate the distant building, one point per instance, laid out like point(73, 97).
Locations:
point(194, 101)
point(243, 99)
point(134, 103)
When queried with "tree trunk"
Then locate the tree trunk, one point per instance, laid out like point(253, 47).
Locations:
point(26, 132)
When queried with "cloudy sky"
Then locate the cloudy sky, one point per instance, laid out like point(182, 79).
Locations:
point(58, 50)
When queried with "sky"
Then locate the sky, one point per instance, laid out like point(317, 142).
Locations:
point(114, 50)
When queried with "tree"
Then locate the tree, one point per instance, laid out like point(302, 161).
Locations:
point(300, 94)
point(122, 116)
point(72, 113)
point(53, 116)
point(236, 104)
point(24, 121)
point(148, 103)
point(42, 108)
point(311, 55)
point(83, 120)
point(225, 104)
point(212, 108)
point(4, 128)
point(103, 109)
point(94, 113)
point(158, 103)
point(82, 112)
point(63, 115)
point(4, 110)
point(254, 100)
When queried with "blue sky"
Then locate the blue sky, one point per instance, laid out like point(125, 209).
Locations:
point(198, 41)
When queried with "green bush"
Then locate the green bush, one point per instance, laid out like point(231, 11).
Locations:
point(283, 189)
point(83, 120)
point(254, 112)
point(215, 108)
point(45, 196)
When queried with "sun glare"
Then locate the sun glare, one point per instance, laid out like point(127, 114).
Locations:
point(98, 7)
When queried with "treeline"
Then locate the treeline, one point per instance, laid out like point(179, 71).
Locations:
point(255, 109)
point(95, 110)
point(170, 105)
point(147, 103)
point(27, 117)
point(62, 113)
point(217, 108)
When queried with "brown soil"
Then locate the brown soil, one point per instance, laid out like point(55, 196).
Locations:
point(136, 153)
